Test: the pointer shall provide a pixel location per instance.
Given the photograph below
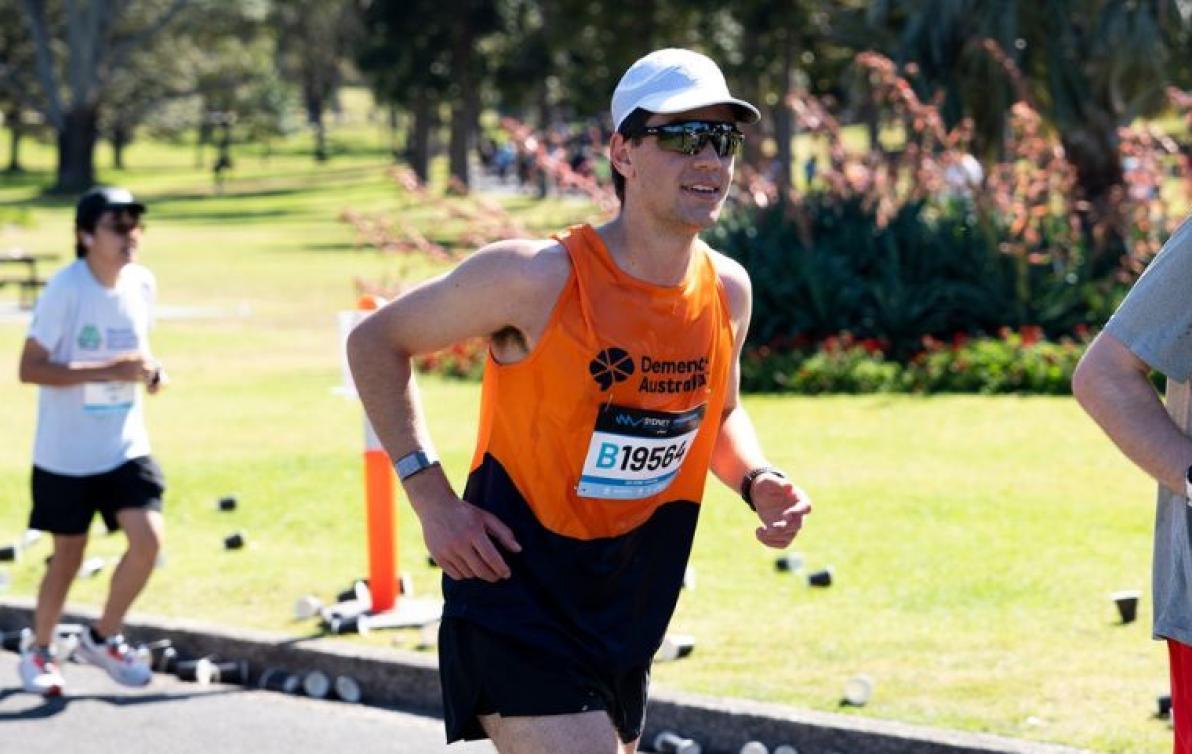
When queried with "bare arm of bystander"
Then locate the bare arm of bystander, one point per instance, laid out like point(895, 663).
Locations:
point(1112, 385)
point(36, 368)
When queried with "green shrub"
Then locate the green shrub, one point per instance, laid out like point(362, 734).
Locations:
point(829, 265)
point(1015, 362)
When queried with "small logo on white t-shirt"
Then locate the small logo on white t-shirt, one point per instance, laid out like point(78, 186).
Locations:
point(89, 339)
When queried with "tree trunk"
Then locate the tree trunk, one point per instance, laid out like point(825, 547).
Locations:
point(461, 107)
point(873, 125)
point(15, 130)
point(314, 115)
point(224, 158)
point(201, 142)
point(76, 151)
point(420, 126)
point(460, 133)
point(546, 111)
point(320, 139)
point(1094, 154)
point(643, 25)
point(393, 131)
point(120, 139)
point(750, 87)
point(783, 123)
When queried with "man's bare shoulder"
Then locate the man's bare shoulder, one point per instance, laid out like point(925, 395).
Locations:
point(527, 266)
point(735, 280)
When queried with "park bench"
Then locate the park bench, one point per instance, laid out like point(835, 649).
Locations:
point(26, 280)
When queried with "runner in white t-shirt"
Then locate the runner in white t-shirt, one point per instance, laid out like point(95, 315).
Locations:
point(88, 350)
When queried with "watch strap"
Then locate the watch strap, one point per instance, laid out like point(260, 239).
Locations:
point(747, 482)
point(413, 463)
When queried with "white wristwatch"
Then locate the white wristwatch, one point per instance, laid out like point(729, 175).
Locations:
point(1188, 485)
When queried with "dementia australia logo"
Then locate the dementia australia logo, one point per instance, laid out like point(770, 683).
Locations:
point(614, 365)
point(89, 338)
point(611, 365)
point(673, 375)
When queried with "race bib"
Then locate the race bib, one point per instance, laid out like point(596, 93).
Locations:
point(108, 396)
point(636, 453)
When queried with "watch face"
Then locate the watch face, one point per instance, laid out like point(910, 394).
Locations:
point(410, 463)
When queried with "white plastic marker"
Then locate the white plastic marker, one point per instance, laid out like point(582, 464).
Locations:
point(307, 606)
point(675, 647)
point(316, 684)
point(91, 567)
point(669, 742)
point(347, 689)
point(858, 690)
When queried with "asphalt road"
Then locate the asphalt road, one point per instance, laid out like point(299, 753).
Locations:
point(97, 716)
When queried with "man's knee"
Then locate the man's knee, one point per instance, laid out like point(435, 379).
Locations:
point(145, 548)
point(144, 530)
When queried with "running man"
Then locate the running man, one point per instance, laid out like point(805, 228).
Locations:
point(88, 350)
point(610, 390)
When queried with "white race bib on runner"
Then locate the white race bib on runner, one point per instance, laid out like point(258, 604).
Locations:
point(108, 396)
point(635, 453)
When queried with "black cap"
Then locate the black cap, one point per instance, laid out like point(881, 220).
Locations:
point(101, 199)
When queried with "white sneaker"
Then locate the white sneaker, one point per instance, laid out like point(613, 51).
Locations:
point(39, 673)
point(116, 657)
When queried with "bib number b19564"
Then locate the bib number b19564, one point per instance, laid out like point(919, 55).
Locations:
point(635, 453)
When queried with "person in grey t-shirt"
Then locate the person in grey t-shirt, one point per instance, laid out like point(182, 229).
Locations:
point(88, 351)
point(1153, 330)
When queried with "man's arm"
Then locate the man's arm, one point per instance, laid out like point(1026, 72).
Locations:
point(1112, 385)
point(37, 369)
point(780, 504)
point(49, 327)
point(510, 284)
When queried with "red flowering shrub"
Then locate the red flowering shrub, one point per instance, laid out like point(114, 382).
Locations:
point(464, 360)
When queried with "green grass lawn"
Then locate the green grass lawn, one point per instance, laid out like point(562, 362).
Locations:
point(974, 540)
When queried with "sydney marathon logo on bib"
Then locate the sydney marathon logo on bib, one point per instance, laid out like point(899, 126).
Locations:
point(615, 365)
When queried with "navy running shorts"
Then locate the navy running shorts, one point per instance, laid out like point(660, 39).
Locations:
point(64, 504)
point(484, 673)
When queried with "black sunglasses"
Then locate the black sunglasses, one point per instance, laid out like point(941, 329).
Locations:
point(689, 137)
point(123, 228)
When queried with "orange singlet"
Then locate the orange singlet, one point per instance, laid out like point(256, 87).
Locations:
point(595, 449)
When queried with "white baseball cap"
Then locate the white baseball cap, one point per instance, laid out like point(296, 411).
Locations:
point(674, 80)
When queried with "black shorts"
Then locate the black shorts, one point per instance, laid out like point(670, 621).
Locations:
point(483, 673)
point(65, 504)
